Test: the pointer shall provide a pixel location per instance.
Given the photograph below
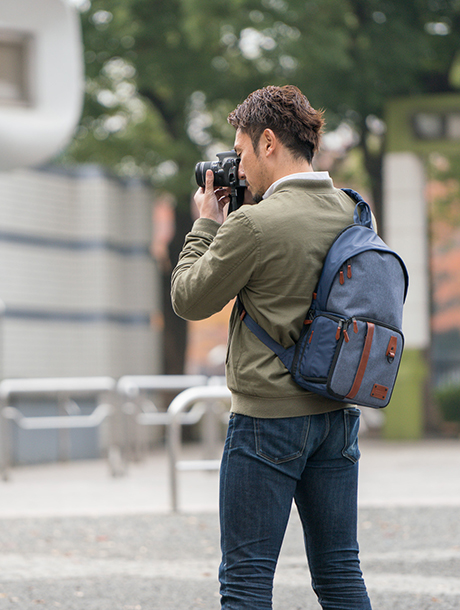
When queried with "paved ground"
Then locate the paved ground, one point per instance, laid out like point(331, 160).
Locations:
point(73, 538)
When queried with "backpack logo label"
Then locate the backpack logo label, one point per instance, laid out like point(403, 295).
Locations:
point(379, 391)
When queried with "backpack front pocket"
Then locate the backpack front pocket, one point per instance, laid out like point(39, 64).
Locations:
point(317, 347)
point(373, 354)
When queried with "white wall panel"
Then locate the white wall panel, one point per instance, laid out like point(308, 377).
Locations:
point(76, 275)
point(406, 231)
point(81, 281)
point(41, 349)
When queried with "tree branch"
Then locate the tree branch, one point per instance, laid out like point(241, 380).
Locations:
point(166, 113)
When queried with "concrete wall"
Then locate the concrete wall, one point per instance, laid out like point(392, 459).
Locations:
point(76, 276)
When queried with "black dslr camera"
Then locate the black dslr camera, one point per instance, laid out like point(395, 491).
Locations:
point(225, 172)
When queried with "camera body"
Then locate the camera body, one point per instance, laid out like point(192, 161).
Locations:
point(225, 172)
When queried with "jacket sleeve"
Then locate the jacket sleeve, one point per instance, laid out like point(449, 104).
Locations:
point(214, 265)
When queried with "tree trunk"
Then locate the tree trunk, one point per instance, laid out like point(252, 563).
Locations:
point(175, 328)
point(373, 162)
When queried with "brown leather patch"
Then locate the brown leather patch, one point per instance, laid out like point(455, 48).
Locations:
point(392, 346)
point(379, 391)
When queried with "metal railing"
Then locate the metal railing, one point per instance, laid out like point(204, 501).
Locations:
point(206, 395)
point(131, 385)
point(62, 389)
point(141, 411)
point(119, 403)
point(115, 400)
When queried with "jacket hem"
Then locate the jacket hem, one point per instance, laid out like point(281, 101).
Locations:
point(288, 406)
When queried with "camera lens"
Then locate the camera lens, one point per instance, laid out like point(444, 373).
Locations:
point(200, 172)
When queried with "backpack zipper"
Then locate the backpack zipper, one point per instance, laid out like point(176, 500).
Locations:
point(346, 266)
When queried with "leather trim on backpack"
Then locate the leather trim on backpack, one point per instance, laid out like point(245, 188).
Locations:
point(363, 362)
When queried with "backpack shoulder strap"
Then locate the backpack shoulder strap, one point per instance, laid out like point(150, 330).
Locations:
point(362, 214)
point(285, 355)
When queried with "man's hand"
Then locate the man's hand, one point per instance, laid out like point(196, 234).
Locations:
point(210, 201)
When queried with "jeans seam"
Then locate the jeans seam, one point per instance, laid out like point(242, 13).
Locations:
point(327, 427)
point(224, 483)
point(230, 440)
point(346, 422)
point(227, 459)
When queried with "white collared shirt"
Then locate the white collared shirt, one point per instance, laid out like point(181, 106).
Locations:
point(298, 176)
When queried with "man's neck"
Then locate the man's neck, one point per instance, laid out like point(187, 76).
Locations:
point(288, 169)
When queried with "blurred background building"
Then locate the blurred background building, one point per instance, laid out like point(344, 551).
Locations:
point(78, 284)
point(77, 280)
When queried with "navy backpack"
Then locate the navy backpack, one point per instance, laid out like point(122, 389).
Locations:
point(351, 344)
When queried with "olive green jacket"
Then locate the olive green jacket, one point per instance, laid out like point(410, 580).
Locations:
point(271, 254)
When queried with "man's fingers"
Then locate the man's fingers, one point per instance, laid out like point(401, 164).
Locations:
point(209, 179)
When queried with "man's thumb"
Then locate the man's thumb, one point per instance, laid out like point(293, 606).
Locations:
point(209, 179)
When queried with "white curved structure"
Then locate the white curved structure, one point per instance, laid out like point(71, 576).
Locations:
point(41, 79)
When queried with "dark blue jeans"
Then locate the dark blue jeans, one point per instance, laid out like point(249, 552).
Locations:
point(267, 463)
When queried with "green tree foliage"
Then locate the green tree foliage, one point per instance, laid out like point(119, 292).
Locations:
point(162, 74)
point(448, 399)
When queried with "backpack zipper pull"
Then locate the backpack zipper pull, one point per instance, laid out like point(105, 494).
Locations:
point(349, 270)
point(341, 277)
point(355, 325)
point(345, 335)
point(339, 330)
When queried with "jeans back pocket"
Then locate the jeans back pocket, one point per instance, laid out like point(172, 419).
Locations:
point(281, 440)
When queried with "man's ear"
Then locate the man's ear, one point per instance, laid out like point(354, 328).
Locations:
point(268, 142)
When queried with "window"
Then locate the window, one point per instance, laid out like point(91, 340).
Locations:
point(14, 69)
point(437, 125)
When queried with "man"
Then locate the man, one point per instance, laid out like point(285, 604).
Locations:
point(283, 443)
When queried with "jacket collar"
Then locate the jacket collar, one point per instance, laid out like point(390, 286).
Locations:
point(299, 176)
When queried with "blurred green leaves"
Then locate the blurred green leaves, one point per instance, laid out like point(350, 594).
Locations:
point(162, 75)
